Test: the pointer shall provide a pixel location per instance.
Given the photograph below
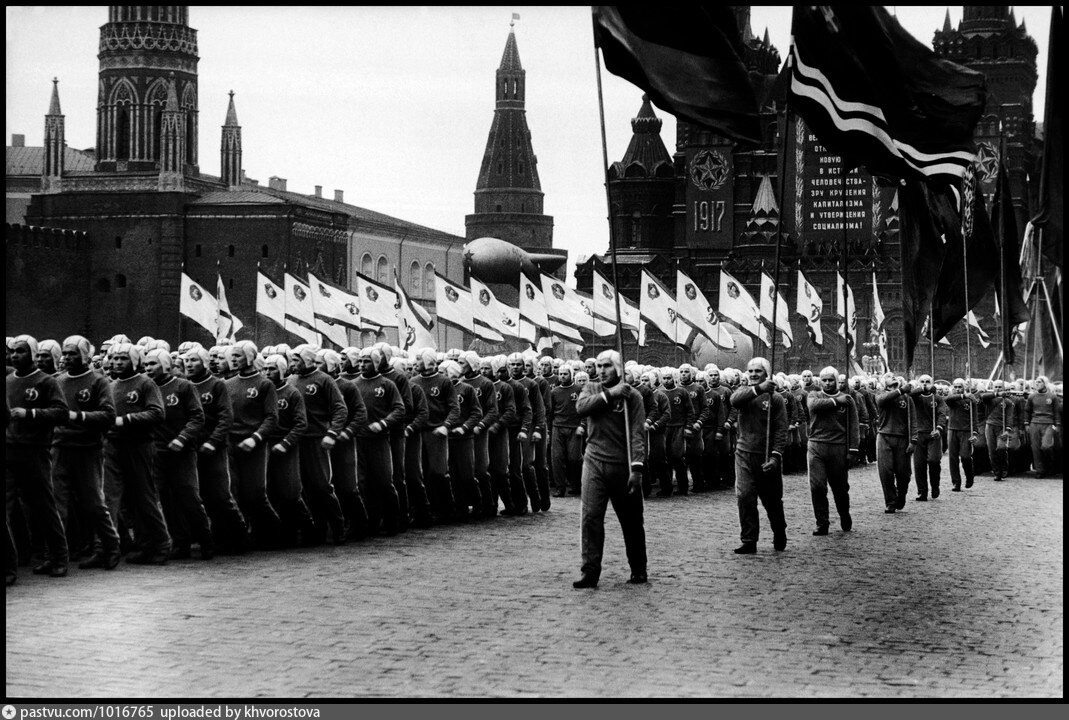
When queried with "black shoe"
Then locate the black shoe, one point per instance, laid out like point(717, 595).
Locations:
point(900, 504)
point(664, 494)
point(508, 512)
point(968, 483)
point(821, 531)
point(560, 493)
point(12, 578)
point(521, 511)
point(586, 581)
point(181, 553)
point(890, 510)
point(935, 493)
point(846, 522)
point(575, 492)
point(956, 488)
point(779, 542)
point(545, 504)
point(207, 552)
point(146, 558)
point(97, 561)
point(111, 560)
point(747, 548)
point(44, 568)
point(998, 477)
point(921, 498)
point(58, 571)
point(637, 578)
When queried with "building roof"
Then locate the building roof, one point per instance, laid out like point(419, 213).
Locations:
point(510, 59)
point(31, 160)
point(258, 195)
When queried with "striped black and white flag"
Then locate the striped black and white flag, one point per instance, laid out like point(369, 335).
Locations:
point(874, 94)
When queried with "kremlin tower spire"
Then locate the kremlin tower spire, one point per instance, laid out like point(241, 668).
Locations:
point(55, 142)
point(508, 195)
point(230, 161)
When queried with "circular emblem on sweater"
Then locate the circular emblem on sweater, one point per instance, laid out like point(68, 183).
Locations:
point(310, 389)
point(133, 396)
point(498, 395)
point(172, 400)
point(83, 395)
point(252, 393)
point(283, 403)
point(1049, 401)
point(379, 392)
point(206, 399)
point(764, 405)
point(478, 392)
point(435, 392)
point(32, 394)
point(573, 397)
point(676, 400)
point(708, 170)
point(460, 399)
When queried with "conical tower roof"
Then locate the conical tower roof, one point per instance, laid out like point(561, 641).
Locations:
point(231, 113)
point(510, 59)
point(53, 106)
point(646, 148)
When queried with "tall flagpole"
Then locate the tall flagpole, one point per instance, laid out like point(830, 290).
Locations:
point(846, 306)
point(968, 343)
point(612, 239)
point(776, 272)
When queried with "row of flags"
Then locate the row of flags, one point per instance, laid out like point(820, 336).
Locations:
point(882, 100)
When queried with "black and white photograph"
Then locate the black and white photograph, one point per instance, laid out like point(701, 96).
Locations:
point(646, 352)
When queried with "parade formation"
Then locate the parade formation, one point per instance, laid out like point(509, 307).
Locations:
point(146, 452)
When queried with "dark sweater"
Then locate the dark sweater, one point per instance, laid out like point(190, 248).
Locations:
point(606, 431)
point(292, 422)
point(382, 403)
point(89, 395)
point(753, 421)
point(442, 405)
point(255, 406)
point(962, 412)
point(356, 418)
point(183, 415)
point(420, 412)
point(41, 396)
point(893, 411)
point(218, 410)
point(471, 410)
point(561, 410)
point(658, 416)
point(833, 419)
point(487, 395)
point(680, 406)
point(140, 404)
point(324, 406)
point(506, 406)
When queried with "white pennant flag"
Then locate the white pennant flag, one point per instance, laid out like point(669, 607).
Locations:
point(985, 339)
point(738, 305)
point(878, 329)
point(492, 312)
point(300, 318)
point(604, 295)
point(336, 310)
point(770, 301)
point(658, 308)
point(697, 313)
point(270, 298)
point(844, 308)
point(811, 307)
point(227, 325)
point(415, 326)
point(566, 307)
point(198, 305)
point(378, 304)
point(533, 317)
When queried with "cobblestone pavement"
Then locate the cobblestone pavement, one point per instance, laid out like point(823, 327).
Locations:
point(957, 597)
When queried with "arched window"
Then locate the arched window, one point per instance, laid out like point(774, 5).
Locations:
point(367, 265)
point(264, 251)
point(415, 277)
point(383, 274)
point(120, 281)
point(118, 243)
point(498, 208)
point(230, 251)
point(428, 280)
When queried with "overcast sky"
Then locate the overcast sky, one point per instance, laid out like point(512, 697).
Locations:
point(391, 105)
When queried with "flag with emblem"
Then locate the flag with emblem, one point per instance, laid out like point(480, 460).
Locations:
point(697, 314)
point(687, 58)
point(300, 318)
point(485, 317)
point(534, 321)
point(270, 298)
point(974, 323)
point(844, 308)
point(874, 94)
point(493, 313)
point(768, 302)
point(198, 305)
point(657, 307)
point(453, 305)
point(811, 307)
point(738, 306)
point(415, 326)
point(570, 313)
point(876, 325)
point(227, 325)
point(378, 304)
point(604, 297)
point(336, 310)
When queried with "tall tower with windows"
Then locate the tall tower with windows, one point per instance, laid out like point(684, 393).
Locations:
point(508, 195)
point(144, 49)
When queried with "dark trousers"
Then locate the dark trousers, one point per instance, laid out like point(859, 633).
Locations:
point(400, 486)
point(604, 483)
point(892, 464)
point(129, 484)
point(284, 493)
point(436, 476)
point(567, 454)
point(78, 480)
point(375, 470)
point(500, 463)
point(419, 506)
point(1000, 461)
point(540, 463)
point(248, 484)
point(482, 474)
point(176, 478)
point(29, 476)
point(828, 468)
point(676, 447)
point(1042, 460)
point(213, 474)
point(318, 491)
point(657, 460)
point(927, 452)
point(694, 449)
point(347, 486)
point(751, 483)
point(521, 475)
point(960, 454)
point(462, 473)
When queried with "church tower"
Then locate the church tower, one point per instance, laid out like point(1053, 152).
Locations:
point(508, 196)
point(55, 143)
point(144, 50)
point(230, 151)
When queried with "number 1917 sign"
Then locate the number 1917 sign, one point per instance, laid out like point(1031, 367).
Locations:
point(708, 196)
